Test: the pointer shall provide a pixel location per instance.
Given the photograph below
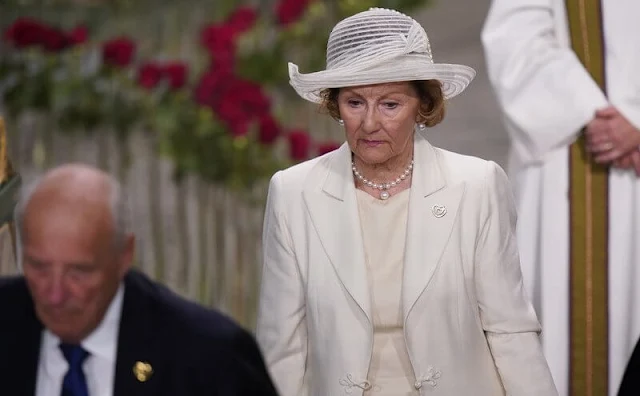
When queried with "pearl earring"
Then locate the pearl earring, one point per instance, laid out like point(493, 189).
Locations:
point(341, 122)
point(421, 126)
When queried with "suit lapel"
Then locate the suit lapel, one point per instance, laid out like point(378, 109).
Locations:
point(433, 208)
point(136, 342)
point(330, 197)
point(33, 339)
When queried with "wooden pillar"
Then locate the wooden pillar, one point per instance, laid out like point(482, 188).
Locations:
point(588, 225)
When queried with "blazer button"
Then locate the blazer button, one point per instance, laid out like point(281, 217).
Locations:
point(418, 384)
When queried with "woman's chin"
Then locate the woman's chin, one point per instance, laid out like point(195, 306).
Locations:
point(372, 161)
point(372, 156)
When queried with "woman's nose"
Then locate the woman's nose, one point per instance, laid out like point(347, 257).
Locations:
point(371, 121)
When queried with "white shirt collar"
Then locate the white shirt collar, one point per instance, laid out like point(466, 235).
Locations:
point(101, 343)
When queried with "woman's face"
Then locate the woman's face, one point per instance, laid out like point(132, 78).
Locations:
point(379, 120)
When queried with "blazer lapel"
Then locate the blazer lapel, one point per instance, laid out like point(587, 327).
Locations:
point(433, 208)
point(136, 343)
point(330, 197)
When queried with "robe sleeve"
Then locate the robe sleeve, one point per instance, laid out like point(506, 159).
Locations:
point(545, 93)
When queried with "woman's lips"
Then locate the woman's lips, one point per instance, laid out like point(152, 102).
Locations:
point(372, 143)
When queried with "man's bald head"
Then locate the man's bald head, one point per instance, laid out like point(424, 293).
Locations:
point(74, 247)
point(76, 186)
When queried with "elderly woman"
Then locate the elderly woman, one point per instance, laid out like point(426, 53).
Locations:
point(390, 266)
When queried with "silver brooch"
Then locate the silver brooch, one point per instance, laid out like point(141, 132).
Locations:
point(438, 211)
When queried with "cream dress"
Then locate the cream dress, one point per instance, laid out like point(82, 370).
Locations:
point(384, 226)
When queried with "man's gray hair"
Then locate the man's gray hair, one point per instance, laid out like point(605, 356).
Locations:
point(119, 210)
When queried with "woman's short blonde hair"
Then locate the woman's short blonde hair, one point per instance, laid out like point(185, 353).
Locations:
point(432, 103)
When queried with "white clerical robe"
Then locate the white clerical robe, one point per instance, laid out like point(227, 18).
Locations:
point(547, 97)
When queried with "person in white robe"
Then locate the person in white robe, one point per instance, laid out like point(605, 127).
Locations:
point(547, 98)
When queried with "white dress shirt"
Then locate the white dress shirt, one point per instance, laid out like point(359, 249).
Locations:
point(99, 367)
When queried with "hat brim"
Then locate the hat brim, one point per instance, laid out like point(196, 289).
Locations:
point(454, 78)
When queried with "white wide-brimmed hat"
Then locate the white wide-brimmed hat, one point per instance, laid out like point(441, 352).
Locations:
point(379, 46)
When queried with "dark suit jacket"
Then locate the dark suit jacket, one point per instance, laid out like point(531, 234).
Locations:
point(630, 385)
point(193, 350)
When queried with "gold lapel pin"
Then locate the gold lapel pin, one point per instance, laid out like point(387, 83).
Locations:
point(438, 210)
point(142, 371)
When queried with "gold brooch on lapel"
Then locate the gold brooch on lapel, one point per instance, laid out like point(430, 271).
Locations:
point(142, 371)
point(438, 211)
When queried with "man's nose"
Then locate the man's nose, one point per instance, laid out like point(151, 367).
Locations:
point(55, 290)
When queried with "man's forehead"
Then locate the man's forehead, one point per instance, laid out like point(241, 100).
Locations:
point(63, 235)
point(67, 217)
point(69, 202)
point(78, 214)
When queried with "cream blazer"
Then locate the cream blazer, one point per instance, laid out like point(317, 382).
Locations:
point(469, 327)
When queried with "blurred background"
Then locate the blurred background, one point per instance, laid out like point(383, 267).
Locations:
point(188, 103)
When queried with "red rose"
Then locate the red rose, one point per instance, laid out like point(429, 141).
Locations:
point(242, 19)
point(327, 147)
point(299, 144)
point(227, 101)
point(235, 101)
point(238, 103)
point(268, 130)
point(223, 66)
point(250, 97)
point(78, 35)
point(246, 95)
point(233, 116)
point(289, 11)
point(205, 91)
point(149, 75)
point(118, 52)
point(176, 73)
point(54, 40)
point(25, 32)
point(219, 40)
point(208, 89)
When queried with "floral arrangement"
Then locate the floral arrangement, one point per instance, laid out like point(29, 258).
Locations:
point(217, 118)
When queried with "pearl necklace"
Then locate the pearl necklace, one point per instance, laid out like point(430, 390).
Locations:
point(383, 187)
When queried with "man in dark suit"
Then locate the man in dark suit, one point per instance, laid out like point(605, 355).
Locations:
point(80, 322)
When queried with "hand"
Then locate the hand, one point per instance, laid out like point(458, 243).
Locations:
point(611, 136)
point(629, 161)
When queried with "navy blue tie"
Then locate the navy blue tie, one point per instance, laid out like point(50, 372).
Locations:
point(75, 383)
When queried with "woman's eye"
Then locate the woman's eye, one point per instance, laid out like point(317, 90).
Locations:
point(390, 105)
point(354, 103)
